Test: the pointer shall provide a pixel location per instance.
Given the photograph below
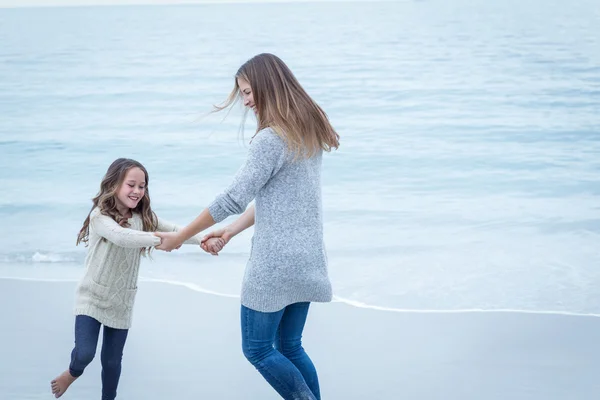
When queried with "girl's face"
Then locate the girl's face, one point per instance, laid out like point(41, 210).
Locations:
point(132, 189)
point(246, 93)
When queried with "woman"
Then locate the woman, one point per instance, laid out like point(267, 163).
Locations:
point(287, 269)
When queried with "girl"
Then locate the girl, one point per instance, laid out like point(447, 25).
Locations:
point(118, 231)
point(287, 268)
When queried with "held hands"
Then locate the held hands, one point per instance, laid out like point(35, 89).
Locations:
point(214, 242)
point(176, 248)
point(168, 241)
point(211, 243)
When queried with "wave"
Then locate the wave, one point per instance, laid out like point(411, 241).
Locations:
point(38, 257)
point(41, 257)
point(26, 279)
point(191, 286)
point(31, 256)
point(336, 299)
point(359, 304)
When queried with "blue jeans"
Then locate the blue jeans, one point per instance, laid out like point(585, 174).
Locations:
point(272, 342)
point(87, 330)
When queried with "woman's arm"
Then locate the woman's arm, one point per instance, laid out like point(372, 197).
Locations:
point(245, 221)
point(165, 226)
point(266, 156)
point(109, 229)
point(241, 224)
point(172, 240)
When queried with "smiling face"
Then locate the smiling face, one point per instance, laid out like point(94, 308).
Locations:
point(246, 93)
point(132, 190)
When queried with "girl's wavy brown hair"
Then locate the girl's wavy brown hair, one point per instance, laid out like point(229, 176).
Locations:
point(283, 105)
point(106, 200)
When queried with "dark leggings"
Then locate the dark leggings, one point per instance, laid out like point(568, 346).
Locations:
point(87, 330)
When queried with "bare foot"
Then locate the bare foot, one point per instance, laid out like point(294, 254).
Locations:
point(61, 383)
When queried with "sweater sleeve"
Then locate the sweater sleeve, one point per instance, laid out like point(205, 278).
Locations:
point(266, 156)
point(165, 226)
point(123, 237)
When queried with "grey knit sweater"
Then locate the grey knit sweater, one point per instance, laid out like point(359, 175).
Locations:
point(288, 263)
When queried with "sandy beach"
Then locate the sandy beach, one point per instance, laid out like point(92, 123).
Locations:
point(186, 345)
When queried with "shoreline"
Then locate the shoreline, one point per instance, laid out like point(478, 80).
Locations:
point(336, 299)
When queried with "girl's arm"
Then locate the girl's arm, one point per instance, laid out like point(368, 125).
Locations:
point(165, 226)
point(108, 228)
point(266, 156)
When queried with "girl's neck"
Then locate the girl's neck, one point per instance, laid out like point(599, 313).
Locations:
point(125, 212)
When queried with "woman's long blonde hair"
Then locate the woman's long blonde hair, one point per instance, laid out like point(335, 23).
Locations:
point(283, 105)
point(106, 200)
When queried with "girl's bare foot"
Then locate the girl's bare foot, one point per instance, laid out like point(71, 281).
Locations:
point(61, 383)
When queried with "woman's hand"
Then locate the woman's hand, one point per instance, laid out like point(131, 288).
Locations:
point(213, 245)
point(215, 241)
point(168, 241)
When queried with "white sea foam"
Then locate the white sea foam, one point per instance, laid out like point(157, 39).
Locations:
point(353, 303)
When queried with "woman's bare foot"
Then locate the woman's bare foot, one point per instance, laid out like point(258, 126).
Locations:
point(61, 383)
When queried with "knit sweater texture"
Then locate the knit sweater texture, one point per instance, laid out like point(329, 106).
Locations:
point(288, 262)
point(108, 288)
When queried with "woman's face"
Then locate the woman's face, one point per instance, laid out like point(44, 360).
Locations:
point(246, 93)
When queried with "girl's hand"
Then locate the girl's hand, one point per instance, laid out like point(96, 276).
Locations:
point(209, 242)
point(169, 241)
point(213, 245)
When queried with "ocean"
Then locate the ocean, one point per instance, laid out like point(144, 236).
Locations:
point(468, 176)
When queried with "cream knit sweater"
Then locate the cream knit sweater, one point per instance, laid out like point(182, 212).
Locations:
point(107, 290)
